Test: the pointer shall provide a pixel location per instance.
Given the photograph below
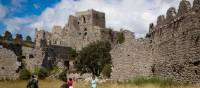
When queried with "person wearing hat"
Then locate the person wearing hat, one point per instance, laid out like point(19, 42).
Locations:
point(33, 82)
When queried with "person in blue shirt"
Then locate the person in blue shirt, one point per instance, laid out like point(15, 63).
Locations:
point(93, 82)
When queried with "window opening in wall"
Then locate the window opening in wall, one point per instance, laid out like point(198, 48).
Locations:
point(85, 33)
point(23, 57)
point(18, 69)
point(196, 63)
point(31, 56)
point(197, 40)
point(196, 11)
point(153, 69)
point(85, 29)
point(103, 17)
point(66, 63)
point(84, 19)
point(196, 72)
point(2, 68)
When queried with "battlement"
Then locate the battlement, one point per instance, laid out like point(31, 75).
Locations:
point(173, 19)
point(175, 42)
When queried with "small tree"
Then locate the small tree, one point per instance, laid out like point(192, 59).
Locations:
point(63, 75)
point(120, 37)
point(1, 39)
point(7, 36)
point(92, 58)
point(24, 74)
point(28, 39)
point(18, 39)
point(106, 72)
point(43, 73)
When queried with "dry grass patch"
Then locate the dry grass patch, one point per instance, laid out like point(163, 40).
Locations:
point(56, 84)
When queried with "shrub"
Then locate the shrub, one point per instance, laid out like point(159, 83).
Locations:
point(43, 73)
point(106, 71)
point(92, 58)
point(24, 74)
point(63, 76)
point(120, 37)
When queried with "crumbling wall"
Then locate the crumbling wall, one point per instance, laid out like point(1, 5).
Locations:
point(8, 65)
point(175, 42)
point(34, 57)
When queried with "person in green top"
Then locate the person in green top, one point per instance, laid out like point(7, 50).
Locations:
point(93, 82)
point(33, 82)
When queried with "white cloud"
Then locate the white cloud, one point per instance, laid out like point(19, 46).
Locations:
point(3, 12)
point(20, 25)
point(134, 15)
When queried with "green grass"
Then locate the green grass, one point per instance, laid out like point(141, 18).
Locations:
point(140, 81)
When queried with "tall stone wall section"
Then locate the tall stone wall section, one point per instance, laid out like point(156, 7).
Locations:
point(175, 42)
point(131, 58)
point(8, 65)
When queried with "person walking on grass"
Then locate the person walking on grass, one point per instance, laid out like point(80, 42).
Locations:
point(70, 83)
point(33, 82)
point(93, 82)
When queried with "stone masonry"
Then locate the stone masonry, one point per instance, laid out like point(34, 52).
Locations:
point(175, 42)
point(131, 59)
point(34, 57)
point(9, 65)
point(171, 48)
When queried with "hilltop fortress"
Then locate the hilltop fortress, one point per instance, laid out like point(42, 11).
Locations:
point(171, 48)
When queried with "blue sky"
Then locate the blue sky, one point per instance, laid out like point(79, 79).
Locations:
point(23, 16)
point(23, 8)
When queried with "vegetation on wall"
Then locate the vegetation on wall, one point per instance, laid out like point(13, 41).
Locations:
point(120, 37)
point(93, 58)
point(106, 72)
point(24, 74)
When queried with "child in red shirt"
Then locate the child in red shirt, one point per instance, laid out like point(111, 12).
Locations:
point(70, 83)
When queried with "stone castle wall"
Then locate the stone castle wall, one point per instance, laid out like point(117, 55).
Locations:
point(131, 58)
point(175, 42)
point(9, 65)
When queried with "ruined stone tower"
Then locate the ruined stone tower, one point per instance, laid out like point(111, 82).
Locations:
point(83, 28)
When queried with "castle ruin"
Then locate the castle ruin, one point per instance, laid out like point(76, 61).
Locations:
point(83, 28)
point(171, 48)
